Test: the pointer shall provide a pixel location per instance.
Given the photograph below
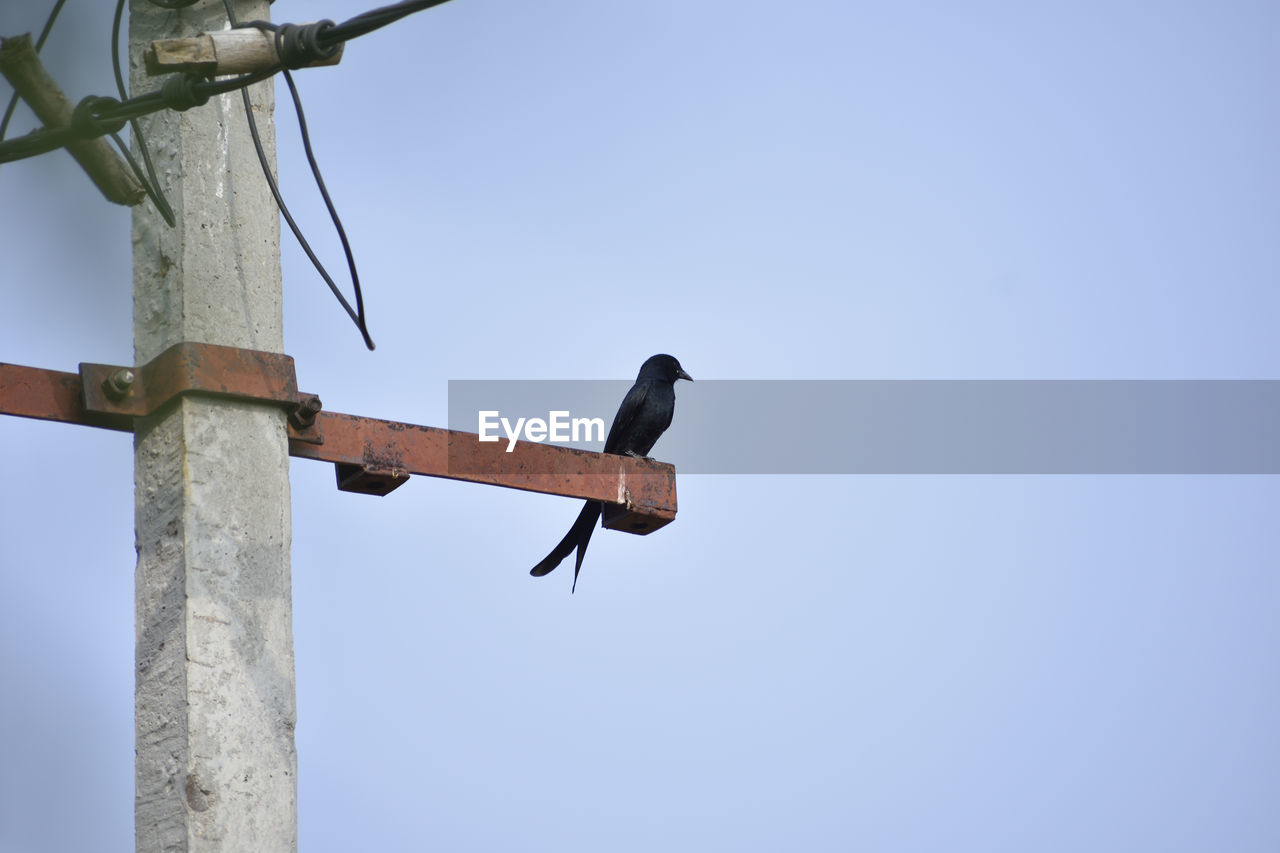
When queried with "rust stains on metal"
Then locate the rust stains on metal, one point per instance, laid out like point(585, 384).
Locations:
point(49, 395)
point(648, 500)
point(369, 479)
point(190, 368)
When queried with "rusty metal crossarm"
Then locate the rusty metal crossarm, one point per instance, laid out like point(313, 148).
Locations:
point(371, 456)
point(643, 490)
point(50, 395)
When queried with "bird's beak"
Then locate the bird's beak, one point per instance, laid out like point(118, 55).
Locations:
point(680, 374)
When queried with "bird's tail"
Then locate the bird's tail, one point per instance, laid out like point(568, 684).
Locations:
point(577, 537)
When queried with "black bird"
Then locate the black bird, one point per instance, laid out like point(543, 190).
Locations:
point(644, 415)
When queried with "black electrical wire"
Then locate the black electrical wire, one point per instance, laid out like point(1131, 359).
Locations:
point(357, 313)
point(149, 181)
point(96, 116)
point(108, 111)
point(44, 35)
point(333, 214)
point(367, 22)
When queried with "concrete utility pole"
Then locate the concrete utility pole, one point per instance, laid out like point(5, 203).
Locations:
point(215, 707)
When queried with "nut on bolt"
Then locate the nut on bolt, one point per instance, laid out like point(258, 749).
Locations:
point(119, 383)
point(304, 414)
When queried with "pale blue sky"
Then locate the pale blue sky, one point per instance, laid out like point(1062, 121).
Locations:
point(768, 191)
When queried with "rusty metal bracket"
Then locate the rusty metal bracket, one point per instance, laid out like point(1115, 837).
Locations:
point(369, 478)
point(186, 368)
point(371, 456)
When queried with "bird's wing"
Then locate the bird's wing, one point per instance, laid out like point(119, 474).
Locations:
point(622, 422)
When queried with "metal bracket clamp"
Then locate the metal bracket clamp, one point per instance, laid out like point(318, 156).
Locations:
point(121, 394)
point(186, 368)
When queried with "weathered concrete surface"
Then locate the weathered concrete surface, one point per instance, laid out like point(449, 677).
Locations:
point(215, 711)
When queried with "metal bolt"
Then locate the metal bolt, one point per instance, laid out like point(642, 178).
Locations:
point(304, 414)
point(118, 384)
